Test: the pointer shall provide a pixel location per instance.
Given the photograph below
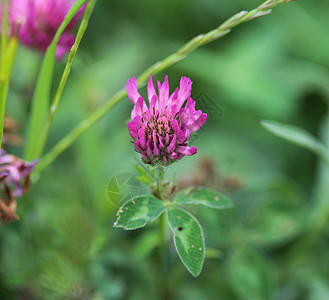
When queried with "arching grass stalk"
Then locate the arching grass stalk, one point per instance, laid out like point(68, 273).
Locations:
point(198, 41)
point(53, 108)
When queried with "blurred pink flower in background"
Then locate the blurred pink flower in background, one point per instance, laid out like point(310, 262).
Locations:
point(161, 131)
point(36, 22)
point(14, 182)
point(15, 173)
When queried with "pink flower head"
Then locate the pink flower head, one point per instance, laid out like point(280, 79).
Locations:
point(161, 131)
point(36, 22)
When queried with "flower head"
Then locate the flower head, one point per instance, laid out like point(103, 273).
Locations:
point(161, 131)
point(14, 182)
point(36, 22)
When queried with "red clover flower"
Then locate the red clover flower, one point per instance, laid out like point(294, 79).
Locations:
point(161, 131)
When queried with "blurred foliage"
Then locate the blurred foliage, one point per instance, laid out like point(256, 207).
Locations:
point(65, 247)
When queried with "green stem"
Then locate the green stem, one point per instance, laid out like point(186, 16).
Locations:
point(53, 108)
point(198, 41)
point(164, 286)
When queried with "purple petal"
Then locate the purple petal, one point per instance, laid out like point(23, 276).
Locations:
point(141, 137)
point(132, 90)
point(199, 123)
point(154, 136)
point(186, 150)
point(178, 131)
point(167, 139)
point(156, 151)
point(163, 93)
point(144, 156)
point(132, 130)
point(139, 108)
point(173, 156)
point(161, 145)
point(154, 105)
point(148, 115)
point(185, 88)
point(148, 149)
point(150, 89)
point(28, 167)
point(138, 146)
point(172, 144)
point(173, 110)
point(174, 96)
point(138, 121)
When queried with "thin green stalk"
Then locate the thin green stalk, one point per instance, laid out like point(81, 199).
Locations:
point(200, 40)
point(53, 108)
point(41, 98)
point(164, 287)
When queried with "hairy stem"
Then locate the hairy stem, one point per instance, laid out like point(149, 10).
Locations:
point(164, 286)
point(198, 41)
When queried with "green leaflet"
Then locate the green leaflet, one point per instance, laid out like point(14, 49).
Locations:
point(203, 196)
point(138, 211)
point(188, 238)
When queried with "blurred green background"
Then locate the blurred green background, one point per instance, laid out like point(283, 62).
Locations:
point(276, 67)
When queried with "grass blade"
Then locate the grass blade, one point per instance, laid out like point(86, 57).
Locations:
point(297, 136)
point(41, 98)
point(53, 108)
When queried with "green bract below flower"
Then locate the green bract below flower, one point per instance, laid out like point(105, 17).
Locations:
point(161, 131)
